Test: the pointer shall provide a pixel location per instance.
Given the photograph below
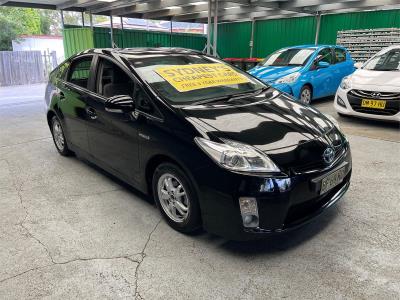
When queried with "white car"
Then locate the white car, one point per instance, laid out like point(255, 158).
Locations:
point(373, 90)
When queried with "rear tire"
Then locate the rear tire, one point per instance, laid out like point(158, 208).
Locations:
point(59, 138)
point(176, 198)
point(306, 94)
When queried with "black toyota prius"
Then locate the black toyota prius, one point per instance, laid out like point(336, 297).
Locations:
point(214, 146)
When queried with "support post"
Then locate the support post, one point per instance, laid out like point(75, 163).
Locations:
point(62, 19)
point(318, 16)
point(91, 20)
point(83, 19)
point(122, 33)
point(112, 31)
point(170, 33)
point(252, 37)
point(215, 28)
point(209, 28)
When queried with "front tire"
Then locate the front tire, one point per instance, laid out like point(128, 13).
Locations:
point(306, 94)
point(176, 199)
point(59, 138)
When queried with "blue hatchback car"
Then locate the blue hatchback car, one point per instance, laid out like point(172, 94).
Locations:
point(306, 72)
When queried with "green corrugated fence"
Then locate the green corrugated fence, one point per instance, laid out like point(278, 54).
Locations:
point(271, 35)
point(234, 38)
point(78, 39)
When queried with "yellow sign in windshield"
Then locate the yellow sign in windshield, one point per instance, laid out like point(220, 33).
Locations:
point(186, 78)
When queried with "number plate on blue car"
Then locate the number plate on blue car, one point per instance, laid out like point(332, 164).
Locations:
point(332, 180)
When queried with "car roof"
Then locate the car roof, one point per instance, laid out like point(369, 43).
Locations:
point(392, 47)
point(138, 51)
point(311, 46)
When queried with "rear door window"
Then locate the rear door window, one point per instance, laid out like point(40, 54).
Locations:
point(80, 71)
point(340, 55)
point(325, 55)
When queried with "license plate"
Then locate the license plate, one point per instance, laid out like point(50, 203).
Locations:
point(332, 180)
point(370, 103)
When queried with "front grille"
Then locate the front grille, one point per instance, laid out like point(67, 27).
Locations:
point(392, 107)
point(316, 162)
point(375, 95)
point(299, 212)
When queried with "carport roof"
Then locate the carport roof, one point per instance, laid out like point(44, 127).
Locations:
point(196, 10)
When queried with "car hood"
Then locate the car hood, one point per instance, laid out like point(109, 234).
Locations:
point(268, 121)
point(376, 78)
point(272, 73)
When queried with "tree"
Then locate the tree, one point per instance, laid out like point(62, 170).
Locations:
point(50, 22)
point(17, 21)
point(9, 31)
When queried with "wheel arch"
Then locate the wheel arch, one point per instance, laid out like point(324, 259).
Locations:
point(153, 163)
point(50, 115)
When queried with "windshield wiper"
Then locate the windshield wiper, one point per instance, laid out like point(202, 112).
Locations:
point(230, 97)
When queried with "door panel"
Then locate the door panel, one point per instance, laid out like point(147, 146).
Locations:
point(341, 68)
point(113, 138)
point(322, 78)
point(73, 101)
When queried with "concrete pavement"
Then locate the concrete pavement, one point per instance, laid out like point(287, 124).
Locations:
point(70, 231)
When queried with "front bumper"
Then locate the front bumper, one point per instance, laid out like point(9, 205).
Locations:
point(350, 111)
point(284, 203)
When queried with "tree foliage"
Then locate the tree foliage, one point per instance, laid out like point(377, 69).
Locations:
point(16, 21)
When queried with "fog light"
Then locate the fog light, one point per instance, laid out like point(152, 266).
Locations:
point(249, 211)
point(340, 102)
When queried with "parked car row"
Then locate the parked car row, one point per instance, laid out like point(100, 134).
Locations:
point(369, 90)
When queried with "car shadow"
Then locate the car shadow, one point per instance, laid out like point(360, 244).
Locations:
point(282, 242)
point(266, 245)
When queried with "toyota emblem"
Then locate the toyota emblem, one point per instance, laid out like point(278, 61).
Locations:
point(328, 155)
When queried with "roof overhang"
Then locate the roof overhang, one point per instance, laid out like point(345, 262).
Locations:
point(197, 10)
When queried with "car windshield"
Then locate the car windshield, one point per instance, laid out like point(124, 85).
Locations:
point(288, 57)
point(189, 78)
point(387, 61)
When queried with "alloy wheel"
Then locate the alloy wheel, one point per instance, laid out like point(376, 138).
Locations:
point(305, 96)
point(58, 135)
point(173, 198)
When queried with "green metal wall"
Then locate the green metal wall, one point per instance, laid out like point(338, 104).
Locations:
point(330, 24)
point(76, 40)
point(270, 35)
point(234, 39)
point(139, 38)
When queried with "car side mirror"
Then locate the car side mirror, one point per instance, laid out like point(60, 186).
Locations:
point(358, 65)
point(322, 64)
point(120, 104)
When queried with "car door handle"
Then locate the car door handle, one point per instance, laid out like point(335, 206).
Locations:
point(91, 112)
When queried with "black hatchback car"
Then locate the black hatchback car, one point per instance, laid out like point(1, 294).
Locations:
point(214, 146)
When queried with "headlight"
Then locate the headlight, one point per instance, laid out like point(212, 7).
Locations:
point(333, 120)
point(346, 83)
point(236, 156)
point(289, 78)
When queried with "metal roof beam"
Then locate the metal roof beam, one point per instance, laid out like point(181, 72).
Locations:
point(224, 7)
point(231, 14)
point(37, 5)
point(74, 3)
point(357, 5)
point(124, 7)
